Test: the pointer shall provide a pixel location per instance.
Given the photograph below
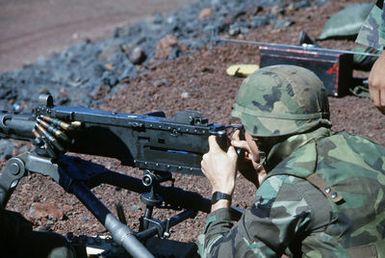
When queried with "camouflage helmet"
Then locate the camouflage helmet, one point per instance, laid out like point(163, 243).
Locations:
point(281, 100)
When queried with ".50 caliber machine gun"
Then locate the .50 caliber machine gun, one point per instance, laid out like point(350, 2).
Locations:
point(152, 142)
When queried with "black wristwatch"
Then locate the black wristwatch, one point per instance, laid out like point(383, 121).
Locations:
point(220, 196)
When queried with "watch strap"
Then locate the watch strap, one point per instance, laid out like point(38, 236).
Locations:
point(220, 196)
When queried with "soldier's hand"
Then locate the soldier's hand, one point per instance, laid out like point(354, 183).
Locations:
point(245, 165)
point(377, 83)
point(220, 167)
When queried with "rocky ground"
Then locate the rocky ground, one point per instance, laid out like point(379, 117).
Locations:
point(193, 80)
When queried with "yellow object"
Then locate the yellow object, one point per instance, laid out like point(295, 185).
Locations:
point(241, 70)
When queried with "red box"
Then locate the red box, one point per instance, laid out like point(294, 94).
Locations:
point(334, 68)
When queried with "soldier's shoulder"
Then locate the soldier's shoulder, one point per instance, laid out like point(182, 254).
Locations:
point(353, 150)
point(372, 33)
point(273, 184)
point(358, 143)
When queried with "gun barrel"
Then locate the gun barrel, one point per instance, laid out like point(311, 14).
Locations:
point(17, 126)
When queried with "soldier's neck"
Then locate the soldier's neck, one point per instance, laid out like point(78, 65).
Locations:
point(282, 150)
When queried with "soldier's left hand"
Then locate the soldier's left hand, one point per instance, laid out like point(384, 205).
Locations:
point(244, 164)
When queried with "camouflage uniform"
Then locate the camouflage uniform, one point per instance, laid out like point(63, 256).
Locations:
point(324, 195)
point(372, 32)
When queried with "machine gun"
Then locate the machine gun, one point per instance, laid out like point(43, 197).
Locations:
point(151, 142)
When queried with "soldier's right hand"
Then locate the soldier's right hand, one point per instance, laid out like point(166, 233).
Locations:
point(377, 83)
point(220, 167)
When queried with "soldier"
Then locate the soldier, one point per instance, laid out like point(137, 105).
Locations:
point(320, 194)
point(372, 34)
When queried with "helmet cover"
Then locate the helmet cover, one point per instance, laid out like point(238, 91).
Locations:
point(281, 100)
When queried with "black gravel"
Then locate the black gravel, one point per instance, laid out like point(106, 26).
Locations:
point(89, 71)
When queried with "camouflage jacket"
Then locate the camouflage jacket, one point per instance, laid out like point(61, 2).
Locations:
point(372, 33)
point(326, 199)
